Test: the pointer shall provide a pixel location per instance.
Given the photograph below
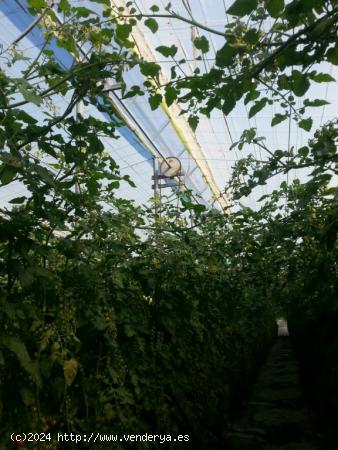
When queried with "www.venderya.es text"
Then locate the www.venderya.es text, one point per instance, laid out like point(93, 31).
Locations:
point(98, 437)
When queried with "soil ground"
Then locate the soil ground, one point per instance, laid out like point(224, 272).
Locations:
point(276, 416)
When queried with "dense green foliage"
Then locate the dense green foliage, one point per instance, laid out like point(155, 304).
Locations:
point(270, 55)
point(312, 294)
point(117, 334)
point(114, 319)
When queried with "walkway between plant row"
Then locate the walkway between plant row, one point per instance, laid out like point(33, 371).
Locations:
point(275, 417)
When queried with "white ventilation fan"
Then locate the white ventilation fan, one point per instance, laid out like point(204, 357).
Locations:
point(170, 167)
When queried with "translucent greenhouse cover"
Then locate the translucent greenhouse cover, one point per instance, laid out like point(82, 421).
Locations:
point(205, 155)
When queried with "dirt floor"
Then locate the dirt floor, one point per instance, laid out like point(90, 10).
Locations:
point(276, 417)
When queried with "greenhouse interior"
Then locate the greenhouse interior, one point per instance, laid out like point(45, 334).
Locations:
point(168, 224)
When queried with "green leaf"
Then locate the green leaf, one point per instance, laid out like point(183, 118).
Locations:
point(7, 174)
point(17, 200)
point(17, 347)
point(150, 69)
point(170, 94)
point(67, 43)
point(202, 43)
point(303, 151)
point(123, 31)
point(251, 37)
point(306, 124)
point(18, 56)
point(229, 102)
point(274, 7)
point(300, 83)
point(322, 78)
point(28, 94)
point(154, 8)
point(252, 95)
point(134, 90)
point(37, 3)
point(225, 56)
point(129, 330)
point(44, 174)
point(284, 82)
point(64, 6)
point(193, 122)
point(249, 135)
point(81, 11)
point(22, 115)
point(155, 101)
point(151, 24)
point(95, 145)
point(242, 7)
point(258, 106)
point(199, 208)
point(314, 103)
point(332, 55)
point(278, 118)
point(167, 51)
point(129, 181)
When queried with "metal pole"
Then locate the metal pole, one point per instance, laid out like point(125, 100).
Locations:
point(78, 113)
point(155, 169)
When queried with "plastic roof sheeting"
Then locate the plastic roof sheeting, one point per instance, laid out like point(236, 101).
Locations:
point(205, 155)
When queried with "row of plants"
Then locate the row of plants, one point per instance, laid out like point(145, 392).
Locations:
point(114, 333)
point(312, 308)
